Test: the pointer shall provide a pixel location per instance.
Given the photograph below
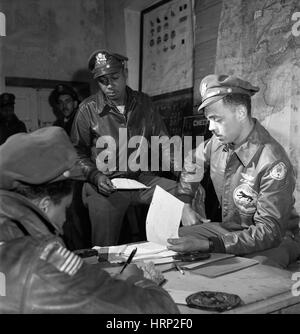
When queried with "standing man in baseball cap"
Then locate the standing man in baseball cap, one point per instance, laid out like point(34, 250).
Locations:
point(9, 122)
point(115, 108)
point(42, 275)
point(253, 179)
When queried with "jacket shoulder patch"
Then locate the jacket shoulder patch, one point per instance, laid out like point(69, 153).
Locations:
point(279, 171)
point(245, 198)
point(61, 258)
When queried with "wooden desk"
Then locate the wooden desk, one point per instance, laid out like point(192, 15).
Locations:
point(263, 289)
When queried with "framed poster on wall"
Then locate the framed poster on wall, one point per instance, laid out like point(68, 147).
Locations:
point(167, 47)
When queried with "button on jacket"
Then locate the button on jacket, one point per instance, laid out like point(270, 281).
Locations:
point(98, 117)
point(42, 276)
point(254, 184)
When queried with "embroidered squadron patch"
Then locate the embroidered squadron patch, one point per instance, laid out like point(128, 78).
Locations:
point(61, 258)
point(245, 198)
point(279, 171)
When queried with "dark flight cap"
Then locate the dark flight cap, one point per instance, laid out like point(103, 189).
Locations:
point(62, 89)
point(214, 87)
point(40, 157)
point(7, 99)
point(102, 62)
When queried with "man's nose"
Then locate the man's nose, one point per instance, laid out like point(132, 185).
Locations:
point(212, 125)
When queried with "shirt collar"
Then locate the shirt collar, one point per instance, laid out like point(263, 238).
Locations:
point(103, 101)
point(254, 141)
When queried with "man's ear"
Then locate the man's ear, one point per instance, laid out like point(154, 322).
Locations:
point(44, 204)
point(242, 113)
point(126, 73)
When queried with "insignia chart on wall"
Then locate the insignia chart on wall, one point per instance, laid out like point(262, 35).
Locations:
point(167, 47)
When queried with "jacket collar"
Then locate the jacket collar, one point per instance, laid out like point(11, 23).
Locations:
point(253, 143)
point(105, 105)
point(19, 209)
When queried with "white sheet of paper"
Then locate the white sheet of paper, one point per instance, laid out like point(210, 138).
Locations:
point(163, 217)
point(122, 183)
point(149, 251)
point(145, 248)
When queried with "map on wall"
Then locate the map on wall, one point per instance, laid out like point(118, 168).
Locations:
point(167, 48)
point(262, 44)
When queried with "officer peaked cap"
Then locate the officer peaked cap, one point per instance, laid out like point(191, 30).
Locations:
point(102, 62)
point(214, 87)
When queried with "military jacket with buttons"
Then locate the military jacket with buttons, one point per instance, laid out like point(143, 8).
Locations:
point(98, 118)
point(254, 185)
point(39, 275)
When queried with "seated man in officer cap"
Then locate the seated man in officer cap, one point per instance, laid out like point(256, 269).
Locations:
point(65, 101)
point(252, 176)
point(9, 122)
point(118, 113)
point(42, 276)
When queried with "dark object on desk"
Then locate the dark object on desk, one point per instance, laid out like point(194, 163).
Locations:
point(213, 301)
point(129, 259)
point(83, 253)
point(191, 256)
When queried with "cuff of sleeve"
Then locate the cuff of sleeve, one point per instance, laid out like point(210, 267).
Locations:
point(216, 245)
point(92, 177)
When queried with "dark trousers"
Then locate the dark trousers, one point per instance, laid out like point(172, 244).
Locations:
point(107, 213)
point(77, 228)
point(286, 253)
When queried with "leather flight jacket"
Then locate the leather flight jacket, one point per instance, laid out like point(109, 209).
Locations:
point(39, 275)
point(254, 185)
point(98, 117)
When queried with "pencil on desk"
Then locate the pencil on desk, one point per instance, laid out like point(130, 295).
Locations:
point(179, 269)
point(129, 259)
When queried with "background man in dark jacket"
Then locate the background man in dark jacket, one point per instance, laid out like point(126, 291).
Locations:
point(9, 122)
point(42, 276)
point(252, 176)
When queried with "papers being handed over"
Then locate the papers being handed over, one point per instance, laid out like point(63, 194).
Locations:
point(122, 183)
point(163, 217)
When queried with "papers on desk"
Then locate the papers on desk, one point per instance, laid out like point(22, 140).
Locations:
point(162, 222)
point(128, 184)
point(113, 254)
point(163, 217)
point(147, 251)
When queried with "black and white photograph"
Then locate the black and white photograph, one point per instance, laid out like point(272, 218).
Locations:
point(149, 160)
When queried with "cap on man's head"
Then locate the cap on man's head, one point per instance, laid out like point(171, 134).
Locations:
point(62, 89)
point(214, 87)
point(102, 62)
point(41, 157)
point(7, 99)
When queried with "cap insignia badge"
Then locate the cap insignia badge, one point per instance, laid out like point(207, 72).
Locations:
point(101, 59)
